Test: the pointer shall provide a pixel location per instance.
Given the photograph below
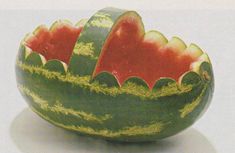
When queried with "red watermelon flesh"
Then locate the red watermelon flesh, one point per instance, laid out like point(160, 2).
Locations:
point(57, 43)
point(126, 54)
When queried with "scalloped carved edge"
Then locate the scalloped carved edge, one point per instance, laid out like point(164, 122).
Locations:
point(30, 56)
point(34, 58)
point(180, 46)
point(188, 78)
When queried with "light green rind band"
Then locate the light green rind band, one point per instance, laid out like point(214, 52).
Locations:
point(59, 108)
point(150, 129)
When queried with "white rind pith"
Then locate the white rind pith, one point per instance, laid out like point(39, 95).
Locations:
point(195, 66)
point(155, 36)
point(176, 43)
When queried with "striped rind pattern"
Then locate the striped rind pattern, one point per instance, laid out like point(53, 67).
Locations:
point(98, 106)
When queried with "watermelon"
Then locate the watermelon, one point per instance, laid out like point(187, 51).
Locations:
point(106, 77)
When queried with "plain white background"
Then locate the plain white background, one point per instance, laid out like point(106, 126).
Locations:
point(210, 25)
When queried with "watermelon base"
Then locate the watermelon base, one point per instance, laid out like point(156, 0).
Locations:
point(98, 111)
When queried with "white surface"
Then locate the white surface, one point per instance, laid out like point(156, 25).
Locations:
point(214, 31)
point(130, 4)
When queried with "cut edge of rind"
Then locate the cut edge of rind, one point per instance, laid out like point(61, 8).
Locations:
point(28, 51)
point(192, 48)
point(168, 89)
point(194, 69)
point(121, 17)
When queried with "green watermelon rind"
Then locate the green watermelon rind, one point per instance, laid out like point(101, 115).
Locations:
point(99, 107)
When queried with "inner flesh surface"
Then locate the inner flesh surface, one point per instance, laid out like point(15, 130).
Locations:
point(57, 43)
point(127, 54)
